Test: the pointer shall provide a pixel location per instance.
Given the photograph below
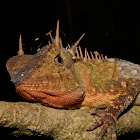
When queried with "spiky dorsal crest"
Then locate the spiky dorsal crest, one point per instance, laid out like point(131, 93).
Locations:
point(88, 57)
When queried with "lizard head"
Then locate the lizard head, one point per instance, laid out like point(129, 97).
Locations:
point(45, 60)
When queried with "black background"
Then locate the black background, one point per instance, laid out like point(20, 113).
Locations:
point(111, 27)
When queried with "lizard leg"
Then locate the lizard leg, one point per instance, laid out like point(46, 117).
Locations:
point(127, 90)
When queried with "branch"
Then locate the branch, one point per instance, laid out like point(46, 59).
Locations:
point(60, 123)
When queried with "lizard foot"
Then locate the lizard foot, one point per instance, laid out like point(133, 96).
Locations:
point(109, 124)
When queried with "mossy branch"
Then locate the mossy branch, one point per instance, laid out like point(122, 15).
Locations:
point(60, 123)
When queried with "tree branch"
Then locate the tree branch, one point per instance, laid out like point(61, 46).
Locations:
point(60, 123)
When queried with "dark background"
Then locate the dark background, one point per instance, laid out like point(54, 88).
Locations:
point(112, 28)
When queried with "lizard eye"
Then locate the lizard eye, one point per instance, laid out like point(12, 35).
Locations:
point(58, 59)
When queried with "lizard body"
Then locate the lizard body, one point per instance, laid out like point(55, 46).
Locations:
point(76, 82)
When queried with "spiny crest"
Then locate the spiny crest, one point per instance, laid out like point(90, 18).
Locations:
point(75, 51)
point(78, 54)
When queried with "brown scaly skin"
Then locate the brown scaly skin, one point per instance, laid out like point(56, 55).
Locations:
point(76, 82)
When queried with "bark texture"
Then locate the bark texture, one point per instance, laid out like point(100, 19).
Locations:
point(60, 124)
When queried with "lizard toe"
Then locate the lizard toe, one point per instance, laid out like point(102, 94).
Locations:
point(95, 125)
point(111, 135)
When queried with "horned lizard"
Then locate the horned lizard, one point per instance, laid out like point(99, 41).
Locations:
point(78, 81)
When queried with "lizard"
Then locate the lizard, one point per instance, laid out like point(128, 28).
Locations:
point(77, 81)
